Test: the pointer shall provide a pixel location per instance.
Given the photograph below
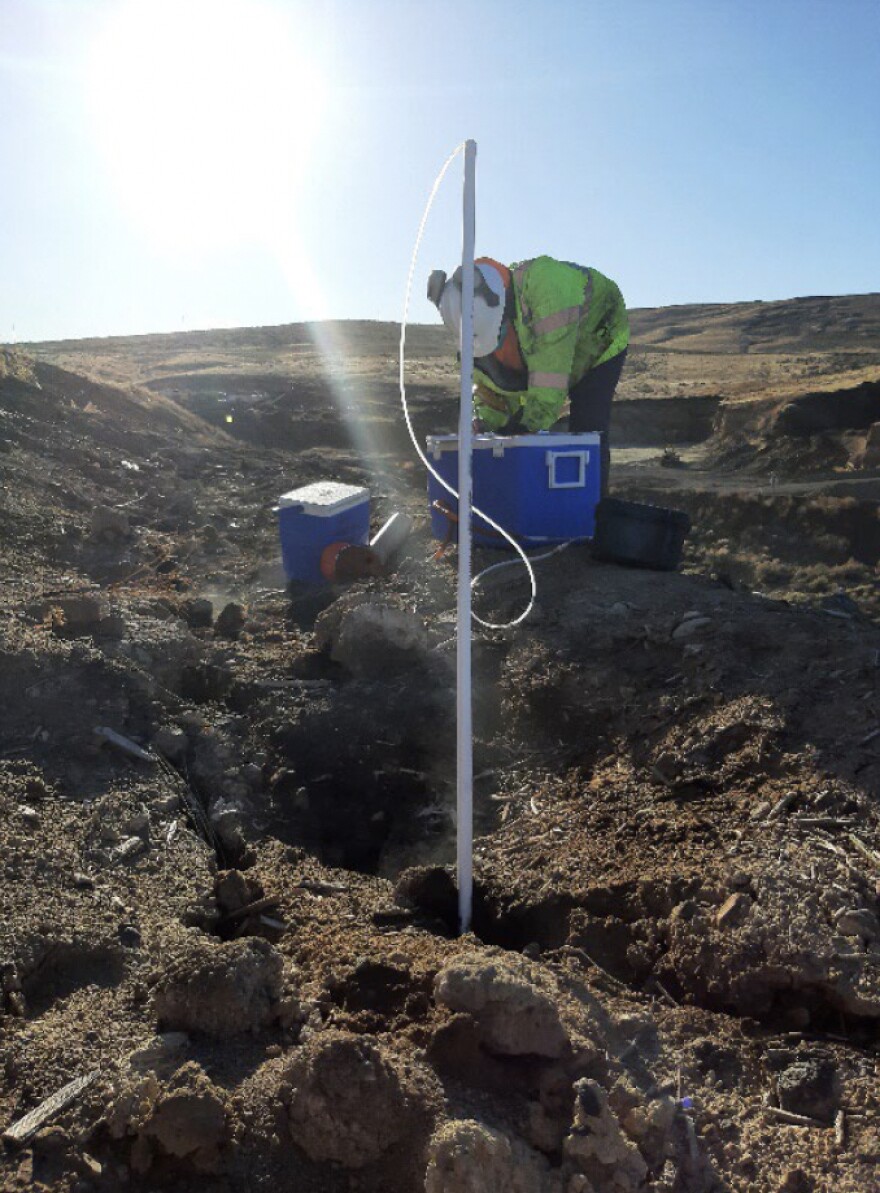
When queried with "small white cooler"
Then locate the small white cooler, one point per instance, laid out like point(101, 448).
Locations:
point(315, 516)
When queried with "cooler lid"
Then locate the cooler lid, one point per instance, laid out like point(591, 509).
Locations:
point(501, 443)
point(324, 498)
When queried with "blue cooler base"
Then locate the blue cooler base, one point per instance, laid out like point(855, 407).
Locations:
point(543, 489)
point(304, 537)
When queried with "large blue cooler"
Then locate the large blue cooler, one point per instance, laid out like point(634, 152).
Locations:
point(541, 488)
point(313, 517)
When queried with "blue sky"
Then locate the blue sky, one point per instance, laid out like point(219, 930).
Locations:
point(186, 164)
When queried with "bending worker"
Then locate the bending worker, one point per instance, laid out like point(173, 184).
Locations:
point(545, 332)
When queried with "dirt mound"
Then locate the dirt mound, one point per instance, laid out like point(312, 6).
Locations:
point(816, 432)
point(842, 410)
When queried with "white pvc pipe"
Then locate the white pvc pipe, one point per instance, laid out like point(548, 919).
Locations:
point(465, 747)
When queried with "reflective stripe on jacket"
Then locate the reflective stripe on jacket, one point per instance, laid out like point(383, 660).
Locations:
point(568, 319)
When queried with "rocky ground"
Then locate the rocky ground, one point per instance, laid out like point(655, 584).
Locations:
point(229, 946)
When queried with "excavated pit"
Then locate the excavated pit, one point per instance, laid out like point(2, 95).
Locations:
point(348, 815)
point(600, 929)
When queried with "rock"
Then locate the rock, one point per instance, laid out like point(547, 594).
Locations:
point(109, 525)
point(543, 1130)
point(171, 742)
point(227, 821)
point(198, 613)
point(165, 805)
point(372, 638)
point(858, 922)
point(647, 1120)
point(188, 1120)
point(796, 1181)
point(733, 911)
point(137, 823)
point(514, 1017)
point(597, 1146)
point(810, 1087)
point(233, 891)
point(217, 988)
point(158, 1051)
point(128, 849)
point(89, 1167)
point(578, 1183)
point(346, 1102)
point(231, 621)
point(129, 936)
point(654, 1116)
point(687, 629)
point(666, 769)
point(466, 1156)
point(684, 911)
point(131, 1103)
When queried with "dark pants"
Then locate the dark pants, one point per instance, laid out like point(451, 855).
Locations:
point(591, 406)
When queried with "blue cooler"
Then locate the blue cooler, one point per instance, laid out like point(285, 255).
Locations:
point(542, 488)
point(313, 517)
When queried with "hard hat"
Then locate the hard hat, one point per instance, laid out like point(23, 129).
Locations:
point(488, 304)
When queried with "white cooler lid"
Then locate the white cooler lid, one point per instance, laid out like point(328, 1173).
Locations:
point(324, 498)
point(500, 443)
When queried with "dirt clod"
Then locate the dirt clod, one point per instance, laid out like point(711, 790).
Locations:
point(596, 1144)
point(216, 988)
point(810, 1087)
point(472, 1157)
point(513, 1016)
point(346, 1101)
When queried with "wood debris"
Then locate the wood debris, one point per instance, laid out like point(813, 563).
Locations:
point(27, 1126)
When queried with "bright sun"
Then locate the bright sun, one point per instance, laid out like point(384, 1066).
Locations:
point(206, 110)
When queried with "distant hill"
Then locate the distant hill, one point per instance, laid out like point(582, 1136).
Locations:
point(733, 350)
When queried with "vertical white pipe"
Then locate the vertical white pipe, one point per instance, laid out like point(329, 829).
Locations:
point(465, 748)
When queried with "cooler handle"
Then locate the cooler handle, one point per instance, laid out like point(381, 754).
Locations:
point(551, 460)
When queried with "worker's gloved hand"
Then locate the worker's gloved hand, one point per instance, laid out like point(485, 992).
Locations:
point(485, 396)
point(478, 426)
point(514, 426)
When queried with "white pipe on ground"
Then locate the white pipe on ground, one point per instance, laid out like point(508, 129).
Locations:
point(388, 541)
point(465, 748)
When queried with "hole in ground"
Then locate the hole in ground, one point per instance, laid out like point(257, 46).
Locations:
point(347, 815)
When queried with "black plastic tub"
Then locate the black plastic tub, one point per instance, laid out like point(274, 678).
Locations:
point(639, 535)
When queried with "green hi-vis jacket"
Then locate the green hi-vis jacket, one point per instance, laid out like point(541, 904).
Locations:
point(568, 319)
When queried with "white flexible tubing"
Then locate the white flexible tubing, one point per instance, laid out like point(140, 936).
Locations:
point(509, 563)
point(489, 625)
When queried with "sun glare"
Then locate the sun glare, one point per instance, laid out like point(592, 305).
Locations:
point(206, 111)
